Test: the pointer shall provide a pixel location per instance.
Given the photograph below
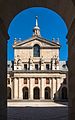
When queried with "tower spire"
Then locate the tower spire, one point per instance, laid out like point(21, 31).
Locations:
point(36, 29)
point(36, 21)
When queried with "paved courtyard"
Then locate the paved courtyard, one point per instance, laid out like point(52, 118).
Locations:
point(38, 111)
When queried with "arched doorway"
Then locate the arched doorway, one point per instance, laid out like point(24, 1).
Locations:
point(64, 93)
point(47, 93)
point(36, 93)
point(8, 93)
point(25, 93)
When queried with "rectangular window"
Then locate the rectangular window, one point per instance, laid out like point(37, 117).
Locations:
point(47, 81)
point(25, 66)
point(47, 66)
point(36, 66)
point(25, 80)
point(36, 80)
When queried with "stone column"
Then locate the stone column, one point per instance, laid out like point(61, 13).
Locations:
point(16, 95)
point(54, 88)
point(42, 88)
point(57, 88)
point(12, 90)
point(51, 89)
point(31, 88)
point(20, 88)
point(3, 71)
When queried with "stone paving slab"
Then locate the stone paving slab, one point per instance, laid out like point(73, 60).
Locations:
point(38, 113)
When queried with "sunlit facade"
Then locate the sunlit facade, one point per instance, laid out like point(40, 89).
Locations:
point(37, 72)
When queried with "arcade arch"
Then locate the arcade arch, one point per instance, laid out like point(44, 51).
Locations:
point(25, 93)
point(8, 10)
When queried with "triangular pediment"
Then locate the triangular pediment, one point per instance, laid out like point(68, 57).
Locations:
point(36, 40)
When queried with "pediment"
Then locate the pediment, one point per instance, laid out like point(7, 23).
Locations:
point(35, 40)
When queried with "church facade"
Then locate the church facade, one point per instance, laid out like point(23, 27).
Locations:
point(37, 72)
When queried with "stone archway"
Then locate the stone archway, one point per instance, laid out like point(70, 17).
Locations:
point(47, 93)
point(36, 93)
point(65, 8)
point(25, 93)
point(8, 9)
point(8, 93)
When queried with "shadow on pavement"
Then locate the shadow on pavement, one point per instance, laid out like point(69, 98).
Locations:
point(37, 113)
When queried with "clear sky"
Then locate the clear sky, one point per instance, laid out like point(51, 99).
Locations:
point(50, 23)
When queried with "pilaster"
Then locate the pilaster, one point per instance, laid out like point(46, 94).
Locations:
point(42, 88)
point(31, 80)
point(51, 89)
point(54, 88)
point(16, 89)
point(20, 88)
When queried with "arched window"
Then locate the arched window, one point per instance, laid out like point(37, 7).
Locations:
point(25, 93)
point(36, 93)
point(36, 51)
point(47, 93)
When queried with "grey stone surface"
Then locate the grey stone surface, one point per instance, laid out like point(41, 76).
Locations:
point(38, 113)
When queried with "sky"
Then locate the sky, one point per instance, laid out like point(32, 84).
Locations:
point(51, 26)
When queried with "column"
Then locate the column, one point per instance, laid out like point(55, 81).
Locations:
point(12, 90)
point(54, 88)
point(57, 88)
point(20, 88)
point(31, 88)
point(16, 88)
point(42, 88)
point(51, 89)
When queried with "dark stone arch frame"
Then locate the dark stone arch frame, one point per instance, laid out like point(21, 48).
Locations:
point(66, 9)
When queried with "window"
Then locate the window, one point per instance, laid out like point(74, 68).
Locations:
point(47, 66)
point(25, 80)
point(36, 66)
point(36, 51)
point(36, 80)
point(8, 81)
point(47, 81)
point(25, 66)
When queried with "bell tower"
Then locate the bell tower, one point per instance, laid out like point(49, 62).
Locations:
point(36, 29)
